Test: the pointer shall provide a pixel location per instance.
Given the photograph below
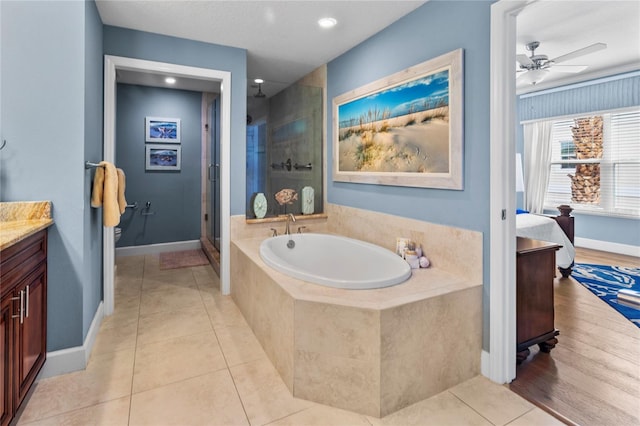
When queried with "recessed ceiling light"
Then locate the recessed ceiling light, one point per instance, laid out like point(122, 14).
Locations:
point(327, 22)
point(170, 80)
point(258, 81)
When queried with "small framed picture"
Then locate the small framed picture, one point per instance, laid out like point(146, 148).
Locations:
point(163, 130)
point(163, 157)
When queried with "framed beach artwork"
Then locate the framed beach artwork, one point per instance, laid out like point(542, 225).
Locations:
point(163, 130)
point(405, 129)
point(163, 157)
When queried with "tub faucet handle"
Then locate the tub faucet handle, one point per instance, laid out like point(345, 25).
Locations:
point(274, 232)
point(300, 228)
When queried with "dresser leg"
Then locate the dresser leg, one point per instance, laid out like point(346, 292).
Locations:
point(548, 345)
point(522, 355)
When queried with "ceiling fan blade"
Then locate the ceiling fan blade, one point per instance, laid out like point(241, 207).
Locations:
point(568, 68)
point(524, 60)
point(580, 52)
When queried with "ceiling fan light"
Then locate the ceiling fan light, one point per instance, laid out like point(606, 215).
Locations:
point(534, 77)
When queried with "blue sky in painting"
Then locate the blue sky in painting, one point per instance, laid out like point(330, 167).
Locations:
point(413, 96)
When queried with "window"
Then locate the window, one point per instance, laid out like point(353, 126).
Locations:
point(595, 163)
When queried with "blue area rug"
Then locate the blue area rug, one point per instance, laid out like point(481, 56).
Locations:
point(606, 281)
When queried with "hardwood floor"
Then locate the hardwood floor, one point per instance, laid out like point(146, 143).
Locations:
point(592, 377)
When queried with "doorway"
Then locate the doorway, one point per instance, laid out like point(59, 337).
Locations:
point(111, 65)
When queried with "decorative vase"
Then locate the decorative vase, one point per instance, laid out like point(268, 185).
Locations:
point(307, 200)
point(260, 205)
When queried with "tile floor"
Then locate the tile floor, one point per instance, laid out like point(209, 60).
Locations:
point(177, 352)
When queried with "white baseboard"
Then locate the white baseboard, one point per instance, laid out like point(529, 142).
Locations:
point(158, 248)
point(610, 247)
point(484, 364)
point(73, 359)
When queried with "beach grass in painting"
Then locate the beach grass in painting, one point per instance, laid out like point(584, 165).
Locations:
point(404, 128)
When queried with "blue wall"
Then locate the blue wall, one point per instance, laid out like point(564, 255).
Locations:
point(154, 47)
point(174, 195)
point(93, 116)
point(436, 28)
point(51, 61)
point(599, 95)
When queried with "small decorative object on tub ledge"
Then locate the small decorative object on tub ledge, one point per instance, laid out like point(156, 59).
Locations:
point(412, 259)
point(424, 262)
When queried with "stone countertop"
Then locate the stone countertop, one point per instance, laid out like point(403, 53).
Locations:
point(19, 220)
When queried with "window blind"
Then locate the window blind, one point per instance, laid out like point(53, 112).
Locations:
point(595, 163)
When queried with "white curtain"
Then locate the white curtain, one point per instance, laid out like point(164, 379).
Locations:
point(537, 160)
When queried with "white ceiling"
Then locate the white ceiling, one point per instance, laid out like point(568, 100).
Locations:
point(564, 26)
point(282, 38)
point(284, 42)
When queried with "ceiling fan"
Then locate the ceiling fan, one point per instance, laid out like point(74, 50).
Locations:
point(535, 68)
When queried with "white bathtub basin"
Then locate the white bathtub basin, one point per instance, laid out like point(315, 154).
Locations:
point(334, 261)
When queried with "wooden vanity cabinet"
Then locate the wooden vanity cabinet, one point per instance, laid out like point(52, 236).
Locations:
point(23, 319)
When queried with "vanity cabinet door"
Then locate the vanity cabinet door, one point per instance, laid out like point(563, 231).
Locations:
point(6, 399)
point(31, 339)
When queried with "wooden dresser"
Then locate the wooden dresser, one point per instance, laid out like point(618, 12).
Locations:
point(23, 319)
point(535, 272)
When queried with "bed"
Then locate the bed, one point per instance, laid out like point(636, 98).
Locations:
point(558, 229)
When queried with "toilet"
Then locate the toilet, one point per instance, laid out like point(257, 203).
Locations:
point(118, 233)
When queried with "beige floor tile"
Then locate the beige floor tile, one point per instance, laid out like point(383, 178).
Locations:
point(264, 395)
point(204, 400)
point(206, 277)
point(107, 377)
point(442, 410)
point(173, 360)
point(222, 311)
point(122, 316)
point(171, 324)
point(322, 415)
point(126, 302)
point(127, 286)
point(170, 299)
point(536, 417)
point(495, 402)
point(116, 337)
point(111, 413)
point(167, 282)
point(239, 345)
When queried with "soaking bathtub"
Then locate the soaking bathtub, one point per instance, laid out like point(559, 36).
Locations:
point(334, 261)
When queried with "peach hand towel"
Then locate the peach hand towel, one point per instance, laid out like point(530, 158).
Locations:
point(110, 208)
point(122, 201)
point(98, 188)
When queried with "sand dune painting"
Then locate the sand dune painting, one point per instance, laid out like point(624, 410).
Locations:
point(405, 129)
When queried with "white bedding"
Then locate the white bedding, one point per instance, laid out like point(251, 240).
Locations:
point(546, 229)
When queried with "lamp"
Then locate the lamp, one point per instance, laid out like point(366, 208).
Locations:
point(535, 76)
point(519, 174)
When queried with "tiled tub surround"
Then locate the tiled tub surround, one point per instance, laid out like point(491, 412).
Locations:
point(369, 351)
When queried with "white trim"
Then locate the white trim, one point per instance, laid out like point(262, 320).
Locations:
point(484, 363)
point(583, 84)
point(608, 246)
point(582, 114)
point(113, 63)
point(109, 154)
point(76, 358)
point(500, 366)
point(158, 248)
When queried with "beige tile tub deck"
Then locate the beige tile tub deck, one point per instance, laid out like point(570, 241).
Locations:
point(368, 351)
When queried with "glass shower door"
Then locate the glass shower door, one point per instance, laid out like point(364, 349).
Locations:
point(213, 178)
